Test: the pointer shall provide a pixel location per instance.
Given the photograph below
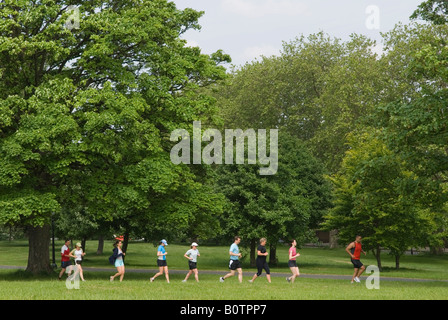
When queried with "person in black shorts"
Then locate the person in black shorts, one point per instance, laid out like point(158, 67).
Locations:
point(261, 261)
point(354, 249)
point(234, 263)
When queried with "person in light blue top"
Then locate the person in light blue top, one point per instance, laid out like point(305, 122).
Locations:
point(234, 263)
point(161, 261)
point(235, 250)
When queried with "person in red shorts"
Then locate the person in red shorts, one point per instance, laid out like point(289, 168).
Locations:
point(354, 249)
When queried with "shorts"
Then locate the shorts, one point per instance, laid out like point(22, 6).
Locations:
point(78, 262)
point(65, 264)
point(234, 264)
point(292, 263)
point(161, 263)
point(192, 265)
point(262, 265)
point(119, 263)
point(357, 263)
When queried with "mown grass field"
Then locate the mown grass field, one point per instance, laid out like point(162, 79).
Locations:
point(142, 256)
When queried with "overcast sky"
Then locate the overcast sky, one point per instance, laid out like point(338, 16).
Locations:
point(246, 29)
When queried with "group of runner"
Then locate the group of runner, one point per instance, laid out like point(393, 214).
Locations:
point(354, 249)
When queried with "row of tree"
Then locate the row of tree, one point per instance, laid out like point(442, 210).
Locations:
point(377, 123)
point(86, 116)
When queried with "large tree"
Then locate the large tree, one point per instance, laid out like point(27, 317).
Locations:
point(285, 205)
point(90, 106)
point(375, 196)
point(318, 89)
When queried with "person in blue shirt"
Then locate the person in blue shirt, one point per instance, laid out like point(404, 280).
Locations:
point(234, 263)
point(161, 261)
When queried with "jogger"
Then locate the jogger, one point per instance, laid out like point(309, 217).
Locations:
point(192, 255)
point(234, 263)
point(292, 263)
point(161, 261)
point(261, 261)
point(354, 249)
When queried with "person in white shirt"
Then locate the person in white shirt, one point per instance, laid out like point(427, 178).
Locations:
point(192, 255)
point(78, 254)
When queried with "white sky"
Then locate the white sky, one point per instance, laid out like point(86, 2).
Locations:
point(246, 29)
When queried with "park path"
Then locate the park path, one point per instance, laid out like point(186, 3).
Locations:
point(246, 274)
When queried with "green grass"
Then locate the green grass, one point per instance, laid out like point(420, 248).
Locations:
point(135, 286)
point(312, 260)
point(20, 285)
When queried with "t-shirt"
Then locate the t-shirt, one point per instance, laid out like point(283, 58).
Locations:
point(262, 249)
point(292, 252)
point(77, 254)
point(193, 253)
point(234, 248)
point(161, 249)
point(64, 253)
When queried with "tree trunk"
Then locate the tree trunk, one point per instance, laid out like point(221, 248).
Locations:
point(39, 250)
point(397, 261)
point(253, 243)
point(377, 254)
point(125, 243)
point(83, 244)
point(436, 250)
point(100, 245)
point(333, 239)
point(273, 255)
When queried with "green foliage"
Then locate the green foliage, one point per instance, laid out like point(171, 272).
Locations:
point(85, 114)
point(281, 206)
point(318, 89)
point(376, 196)
point(435, 11)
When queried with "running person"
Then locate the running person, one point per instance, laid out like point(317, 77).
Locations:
point(65, 258)
point(261, 261)
point(161, 261)
point(354, 249)
point(118, 260)
point(78, 254)
point(292, 263)
point(234, 263)
point(192, 255)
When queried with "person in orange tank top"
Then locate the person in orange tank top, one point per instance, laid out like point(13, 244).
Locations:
point(354, 249)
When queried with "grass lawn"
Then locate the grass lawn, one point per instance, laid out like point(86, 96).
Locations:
point(135, 286)
point(19, 285)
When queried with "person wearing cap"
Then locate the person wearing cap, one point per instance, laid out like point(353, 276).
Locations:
point(77, 254)
point(161, 261)
point(192, 255)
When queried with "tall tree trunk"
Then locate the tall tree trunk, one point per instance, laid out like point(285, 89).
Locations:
point(397, 261)
point(39, 250)
point(253, 243)
point(100, 245)
point(273, 255)
point(377, 254)
point(333, 239)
